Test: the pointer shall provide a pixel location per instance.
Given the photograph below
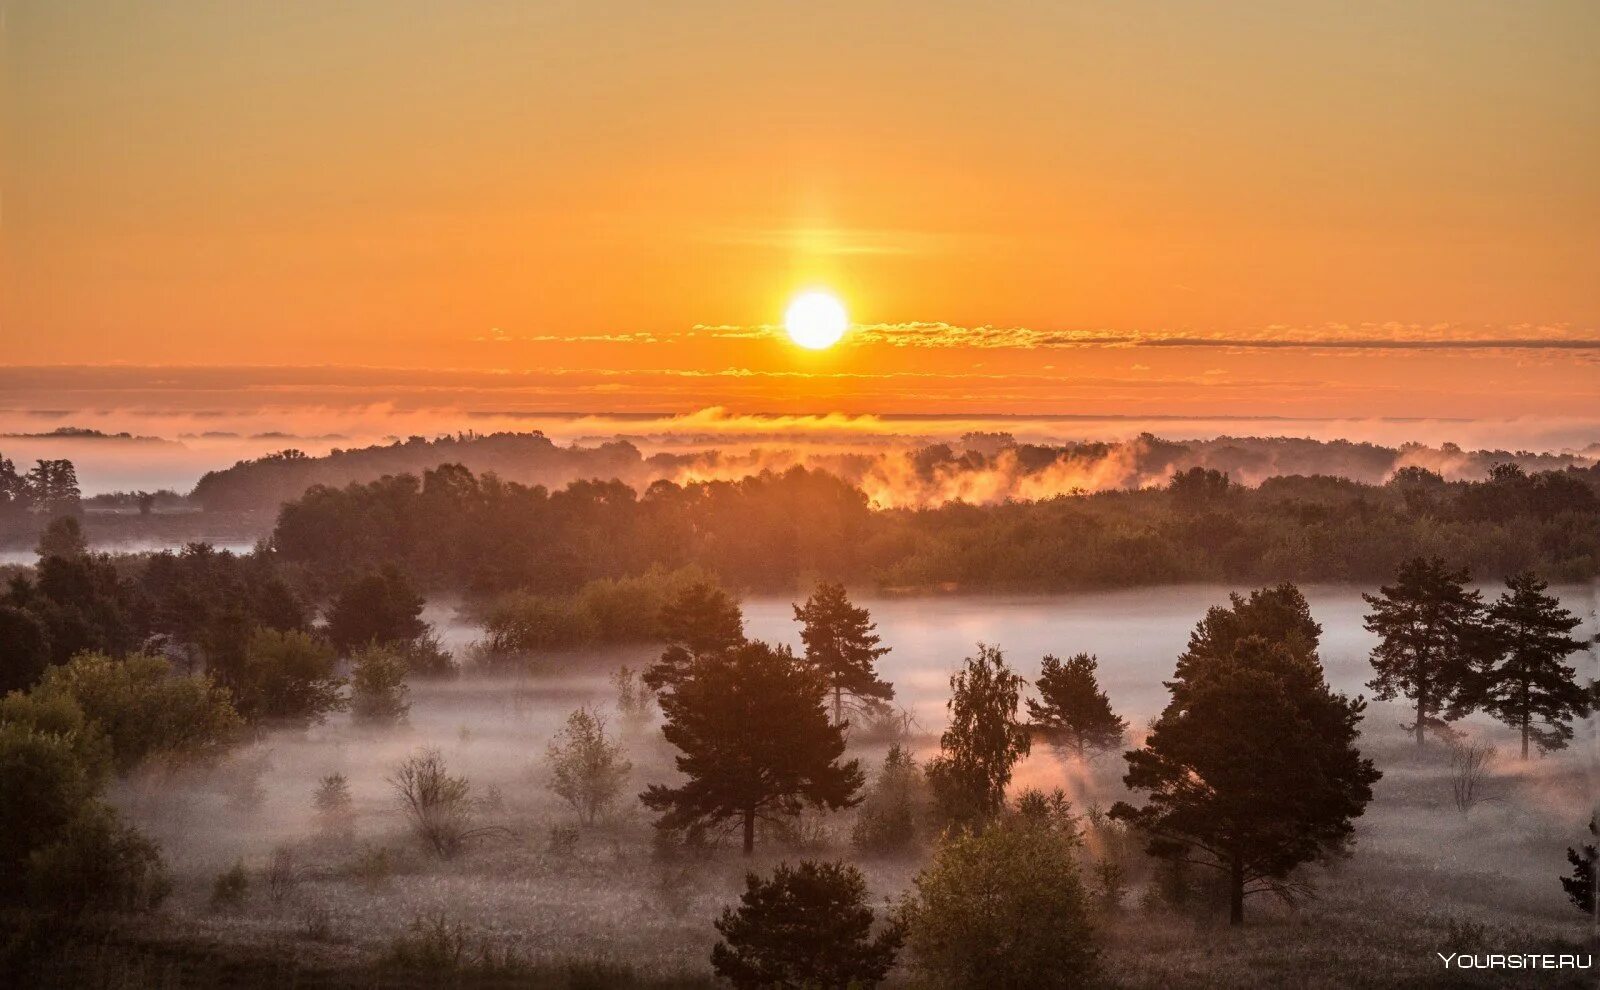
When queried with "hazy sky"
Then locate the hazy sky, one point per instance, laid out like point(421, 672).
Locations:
point(1038, 207)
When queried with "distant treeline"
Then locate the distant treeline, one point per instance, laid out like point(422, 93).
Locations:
point(780, 530)
point(980, 467)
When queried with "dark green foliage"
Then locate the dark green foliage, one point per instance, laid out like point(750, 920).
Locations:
point(982, 742)
point(207, 603)
point(755, 742)
point(144, 710)
point(1003, 908)
point(806, 926)
point(96, 864)
point(379, 607)
point(1252, 767)
point(24, 648)
point(284, 679)
point(1525, 684)
point(1581, 885)
point(45, 786)
point(1432, 637)
point(701, 621)
point(1073, 713)
point(83, 603)
point(771, 530)
point(842, 647)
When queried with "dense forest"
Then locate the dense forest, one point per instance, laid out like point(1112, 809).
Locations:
point(894, 471)
point(776, 531)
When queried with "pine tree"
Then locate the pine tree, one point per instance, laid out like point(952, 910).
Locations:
point(702, 621)
point(1252, 768)
point(1526, 682)
point(1072, 711)
point(983, 741)
point(808, 926)
point(1581, 886)
point(756, 742)
point(842, 646)
point(1433, 631)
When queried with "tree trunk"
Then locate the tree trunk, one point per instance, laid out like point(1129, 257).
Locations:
point(749, 832)
point(838, 705)
point(1421, 724)
point(1524, 737)
point(1236, 892)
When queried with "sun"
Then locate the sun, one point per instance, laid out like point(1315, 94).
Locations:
point(816, 320)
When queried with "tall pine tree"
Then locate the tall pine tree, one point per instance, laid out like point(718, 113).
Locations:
point(1433, 635)
point(752, 725)
point(702, 621)
point(1072, 711)
point(1525, 683)
point(1252, 767)
point(842, 646)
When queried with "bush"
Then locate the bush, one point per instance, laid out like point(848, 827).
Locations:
point(887, 821)
point(145, 710)
point(281, 876)
point(287, 679)
point(437, 804)
point(378, 686)
point(229, 889)
point(97, 864)
point(635, 700)
point(1002, 908)
point(44, 786)
point(426, 658)
point(587, 769)
point(808, 926)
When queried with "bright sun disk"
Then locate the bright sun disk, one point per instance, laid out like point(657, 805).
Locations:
point(816, 320)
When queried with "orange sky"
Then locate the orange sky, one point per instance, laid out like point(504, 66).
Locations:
point(577, 193)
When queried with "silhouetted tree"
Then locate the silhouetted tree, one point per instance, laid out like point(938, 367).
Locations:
point(24, 648)
point(1432, 634)
point(63, 537)
point(1252, 767)
point(380, 607)
point(983, 741)
point(1525, 681)
point(1073, 711)
point(53, 485)
point(756, 743)
point(842, 647)
point(1581, 886)
point(807, 926)
point(701, 621)
point(1197, 486)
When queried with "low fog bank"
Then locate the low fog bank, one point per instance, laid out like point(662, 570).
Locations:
point(607, 895)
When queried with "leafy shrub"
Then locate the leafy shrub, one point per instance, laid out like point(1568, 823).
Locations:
point(97, 864)
point(145, 710)
point(587, 769)
point(286, 678)
point(426, 658)
point(1002, 908)
point(378, 686)
point(281, 876)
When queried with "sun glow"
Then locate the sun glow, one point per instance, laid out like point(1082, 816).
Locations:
point(816, 320)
